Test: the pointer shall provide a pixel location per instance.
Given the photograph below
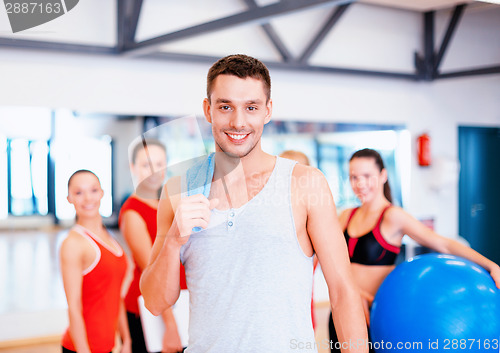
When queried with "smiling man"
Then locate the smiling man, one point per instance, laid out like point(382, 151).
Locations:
point(249, 270)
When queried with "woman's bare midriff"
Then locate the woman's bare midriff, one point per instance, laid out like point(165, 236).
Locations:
point(369, 278)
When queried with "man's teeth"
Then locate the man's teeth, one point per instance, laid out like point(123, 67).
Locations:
point(237, 137)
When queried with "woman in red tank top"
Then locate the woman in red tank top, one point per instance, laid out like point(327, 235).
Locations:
point(137, 222)
point(93, 266)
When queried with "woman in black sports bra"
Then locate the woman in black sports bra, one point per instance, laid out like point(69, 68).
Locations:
point(374, 231)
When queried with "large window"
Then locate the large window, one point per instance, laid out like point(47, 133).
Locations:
point(328, 146)
point(24, 174)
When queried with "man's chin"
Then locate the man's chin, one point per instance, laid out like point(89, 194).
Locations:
point(234, 152)
point(237, 154)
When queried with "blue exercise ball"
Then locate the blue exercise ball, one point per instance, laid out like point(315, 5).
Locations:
point(436, 303)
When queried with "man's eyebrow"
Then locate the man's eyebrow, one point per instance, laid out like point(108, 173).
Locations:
point(227, 100)
point(222, 100)
point(254, 101)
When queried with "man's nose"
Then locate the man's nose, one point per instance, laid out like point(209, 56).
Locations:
point(238, 119)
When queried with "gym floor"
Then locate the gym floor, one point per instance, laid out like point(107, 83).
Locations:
point(31, 293)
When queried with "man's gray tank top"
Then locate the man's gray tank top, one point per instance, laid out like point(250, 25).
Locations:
point(249, 281)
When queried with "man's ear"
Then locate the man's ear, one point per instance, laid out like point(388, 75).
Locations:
point(206, 110)
point(269, 113)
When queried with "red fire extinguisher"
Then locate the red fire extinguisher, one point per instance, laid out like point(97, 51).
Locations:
point(424, 150)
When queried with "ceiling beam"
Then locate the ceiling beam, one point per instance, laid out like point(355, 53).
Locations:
point(473, 72)
point(457, 14)
point(280, 46)
point(134, 19)
point(127, 18)
point(259, 14)
point(272, 35)
point(295, 66)
point(427, 68)
point(121, 24)
point(22, 44)
point(335, 16)
point(55, 46)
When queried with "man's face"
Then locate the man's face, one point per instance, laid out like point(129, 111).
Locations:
point(238, 112)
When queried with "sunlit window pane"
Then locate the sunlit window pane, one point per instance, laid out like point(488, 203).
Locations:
point(28, 177)
point(20, 172)
point(39, 150)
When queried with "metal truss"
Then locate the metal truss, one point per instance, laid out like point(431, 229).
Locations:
point(427, 64)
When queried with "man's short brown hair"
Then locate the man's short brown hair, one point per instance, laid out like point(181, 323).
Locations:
point(241, 66)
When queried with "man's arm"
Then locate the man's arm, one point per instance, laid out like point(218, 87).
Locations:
point(160, 279)
point(328, 241)
point(176, 218)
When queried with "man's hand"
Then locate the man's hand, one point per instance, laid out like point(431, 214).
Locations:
point(192, 212)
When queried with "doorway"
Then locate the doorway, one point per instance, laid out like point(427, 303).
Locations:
point(479, 188)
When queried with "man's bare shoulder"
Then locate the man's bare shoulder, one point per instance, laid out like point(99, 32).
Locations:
point(310, 189)
point(308, 178)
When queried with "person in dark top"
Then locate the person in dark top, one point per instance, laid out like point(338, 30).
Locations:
point(374, 231)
